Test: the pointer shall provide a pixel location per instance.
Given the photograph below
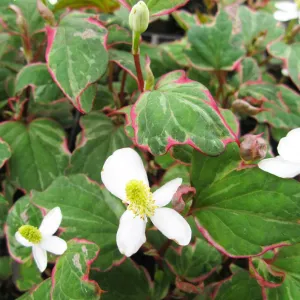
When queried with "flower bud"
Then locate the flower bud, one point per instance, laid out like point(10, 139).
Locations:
point(45, 13)
point(244, 107)
point(139, 17)
point(253, 147)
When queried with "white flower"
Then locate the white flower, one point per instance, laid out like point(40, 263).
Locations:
point(287, 164)
point(286, 11)
point(42, 239)
point(125, 177)
point(53, 2)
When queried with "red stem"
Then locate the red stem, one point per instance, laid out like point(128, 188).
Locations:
point(139, 71)
point(122, 94)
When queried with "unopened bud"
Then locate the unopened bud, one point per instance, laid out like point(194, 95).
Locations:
point(243, 107)
point(45, 12)
point(139, 17)
point(253, 147)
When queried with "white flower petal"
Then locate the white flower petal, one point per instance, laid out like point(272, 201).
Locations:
point(289, 146)
point(54, 244)
point(280, 167)
point(22, 240)
point(40, 257)
point(122, 166)
point(283, 16)
point(164, 194)
point(286, 6)
point(131, 233)
point(171, 224)
point(51, 222)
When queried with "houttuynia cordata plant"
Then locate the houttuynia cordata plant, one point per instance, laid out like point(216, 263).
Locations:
point(149, 150)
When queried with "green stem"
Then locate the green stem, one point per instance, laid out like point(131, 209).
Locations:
point(136, 56)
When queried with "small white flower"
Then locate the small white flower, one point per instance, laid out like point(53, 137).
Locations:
point(42, 239)
point(286, 11)
point(287, 164)
point(125, 177)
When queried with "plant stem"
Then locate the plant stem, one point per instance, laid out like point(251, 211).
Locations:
point(139, 73)
point(136, 56)
point(110, 76)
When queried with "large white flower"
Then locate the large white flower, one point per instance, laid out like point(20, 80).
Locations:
point(42, 239)
point(286, 11)
point(124, 176)
point(287, 164)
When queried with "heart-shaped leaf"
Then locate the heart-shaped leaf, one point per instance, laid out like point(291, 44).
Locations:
point(89, 212)
point(179, 111)
point(77, 56)
point(230, 208)
point(39, 152)
point(212, 46)
point(101, 137)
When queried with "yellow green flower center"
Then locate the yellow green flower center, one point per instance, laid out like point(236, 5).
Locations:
point(140, 199)
point(31, 233)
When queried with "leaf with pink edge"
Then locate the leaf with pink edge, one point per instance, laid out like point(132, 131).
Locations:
point(157, 8)
point(118, 35)
point(212, 46)
point(105, 6)
point(239, 286)
point(22, 213)
point(5, 152)
point(194, 262)
point(42, 291)
point(289, 54)
point(77, 56)
point(39, 152)
point(230, 208)
point(89, 212)
point(124, 282)
point(258, 28)
point(70, 277)
point(39, 79)
point(185, 19)
point(181, 111)
point(286, 263)
point(101, 137)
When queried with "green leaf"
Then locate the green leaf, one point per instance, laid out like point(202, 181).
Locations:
point(101, 137)
point(157, 8)
point(212, 47)
point(28, 276)
point(240, 286)
point(282, 108)
point(185, 19)
point(5, 153)
point(104, 98)
point(175, 171)
point(118, 35)
point(22, 213)
point(89, 212)
point(258, 28)
point(3, 213)
point(70, 276)
point(77, 55)
point(287, 261)
point(243, 212)
point(182, 153)
point(42, 291)
point(37, 76)
point(187, 114)
point(193, 262)
point(289, 54)
point(39, 153)
point(124, 282)
point(105, 6)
